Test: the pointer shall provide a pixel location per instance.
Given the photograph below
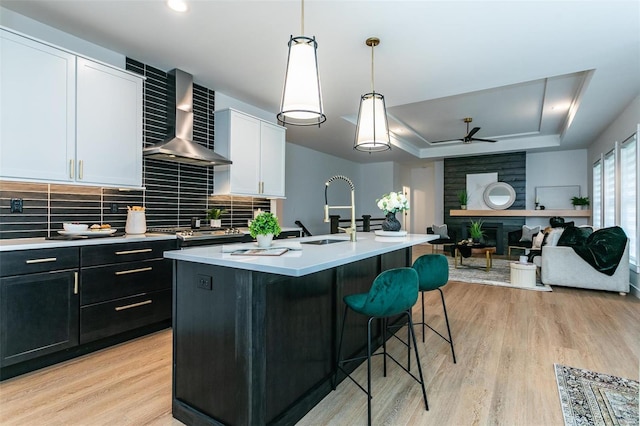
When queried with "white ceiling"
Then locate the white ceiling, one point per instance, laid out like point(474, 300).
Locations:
point(532, 74)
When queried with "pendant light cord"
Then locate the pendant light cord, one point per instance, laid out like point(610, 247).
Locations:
point(372, 90)
point(302, 19)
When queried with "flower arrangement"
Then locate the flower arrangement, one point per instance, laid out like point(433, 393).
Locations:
point(393, 202)
point(263, 224)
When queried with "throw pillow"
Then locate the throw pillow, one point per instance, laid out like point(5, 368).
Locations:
point(528, 233)
point(537, 241)
point(553, 236)
point(441, 230)
point(574, 236)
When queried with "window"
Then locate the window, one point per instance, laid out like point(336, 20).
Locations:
point(629, 194)
point(616, 193)
point(596, 203)
point(609, 189)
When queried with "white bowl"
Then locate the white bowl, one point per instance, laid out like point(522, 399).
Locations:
point(75, 227)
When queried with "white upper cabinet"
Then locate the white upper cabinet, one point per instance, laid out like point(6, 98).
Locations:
point(109, 125)
point(257, 150)
point(37, 115)
point(67, 119)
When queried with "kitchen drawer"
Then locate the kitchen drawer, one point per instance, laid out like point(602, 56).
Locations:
point(22, 262)
point(102, 283)
point(124, 252)
point(117, 316)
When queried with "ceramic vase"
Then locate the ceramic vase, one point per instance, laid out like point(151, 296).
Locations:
point(391, 223)
point(216, 223)
point(264, 241)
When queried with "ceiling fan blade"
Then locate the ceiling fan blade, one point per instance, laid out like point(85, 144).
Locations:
point(472, 132)
point(483, 140)
point(448, 140)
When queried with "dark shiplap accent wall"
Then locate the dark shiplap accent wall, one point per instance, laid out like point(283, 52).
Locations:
point(174, 192)
point(511, 168)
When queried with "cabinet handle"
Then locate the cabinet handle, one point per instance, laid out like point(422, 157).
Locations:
point(43, 260)
point(71, 169)
point(147, 250)
point(81, 171)
point(133, 271)
point(133, 305)
point(75, 283)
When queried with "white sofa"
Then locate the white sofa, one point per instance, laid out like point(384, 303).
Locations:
point(562, 266)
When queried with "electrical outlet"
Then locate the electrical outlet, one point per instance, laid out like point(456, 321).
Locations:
point(114, 208)
point(16, 205)
point(204, 282)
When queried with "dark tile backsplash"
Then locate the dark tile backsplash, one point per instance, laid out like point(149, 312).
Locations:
point(173, 192)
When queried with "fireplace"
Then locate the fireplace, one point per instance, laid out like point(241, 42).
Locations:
point(494, 235)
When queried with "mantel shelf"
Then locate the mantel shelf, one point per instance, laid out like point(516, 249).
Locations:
point(522, 213)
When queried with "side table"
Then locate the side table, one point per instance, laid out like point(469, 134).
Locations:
point(523, 274)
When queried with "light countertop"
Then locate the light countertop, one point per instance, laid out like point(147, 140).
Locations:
point(39, 243)
point(312, 258)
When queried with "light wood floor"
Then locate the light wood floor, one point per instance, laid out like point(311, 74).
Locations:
point(506, 341)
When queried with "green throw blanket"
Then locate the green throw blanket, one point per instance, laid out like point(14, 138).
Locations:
point(603, 249)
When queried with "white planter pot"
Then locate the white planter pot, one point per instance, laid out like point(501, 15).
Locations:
point(216, 223)
point(264, 241)
point(578, 207)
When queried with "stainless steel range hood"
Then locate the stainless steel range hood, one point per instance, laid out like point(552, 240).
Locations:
point(179, 146)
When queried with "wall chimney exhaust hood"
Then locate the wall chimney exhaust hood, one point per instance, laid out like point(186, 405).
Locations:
point(179, 147)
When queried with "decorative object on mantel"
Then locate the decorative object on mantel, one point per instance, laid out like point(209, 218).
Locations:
point(499, 195)
point(372, 128)
point(214, 216)
point(301, 103)
point(463, 197)
point(591, 398)
point(264, 227)
point(579, 202)
point(390, 204)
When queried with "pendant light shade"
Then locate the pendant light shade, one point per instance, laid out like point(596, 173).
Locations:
point(301, 97)
point(372, 130)
point(301, 103)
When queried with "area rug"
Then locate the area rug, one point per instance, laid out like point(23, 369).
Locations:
point(590, 398)
point(473, 271)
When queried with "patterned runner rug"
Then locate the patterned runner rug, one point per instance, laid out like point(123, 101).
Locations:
point(473, 271)
point(590, 398)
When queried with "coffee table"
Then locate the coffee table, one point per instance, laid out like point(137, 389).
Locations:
point(486, 250)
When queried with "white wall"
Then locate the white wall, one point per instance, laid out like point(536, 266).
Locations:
point(423, 195)
point(558, 168)
point(38, 30)
point(306, 173)
point(224, 101)
point(374, 180)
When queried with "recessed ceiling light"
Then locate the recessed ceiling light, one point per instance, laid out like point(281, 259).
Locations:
point(177, 5)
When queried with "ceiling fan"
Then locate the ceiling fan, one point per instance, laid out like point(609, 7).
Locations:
point(469, 137)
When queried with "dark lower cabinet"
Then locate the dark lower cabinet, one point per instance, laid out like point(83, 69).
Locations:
point(59, 303)
point(116, 316)
point(38, 315)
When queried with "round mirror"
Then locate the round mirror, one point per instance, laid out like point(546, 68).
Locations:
point(499, 195)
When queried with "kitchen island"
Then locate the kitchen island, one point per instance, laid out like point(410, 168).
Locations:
point(255, 337)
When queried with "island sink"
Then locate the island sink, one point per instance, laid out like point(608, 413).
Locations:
point(324, 242)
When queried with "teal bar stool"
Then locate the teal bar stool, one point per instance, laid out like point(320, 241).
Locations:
point(433, 273)
point(392, 293)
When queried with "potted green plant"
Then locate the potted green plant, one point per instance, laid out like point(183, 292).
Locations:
point(475, 231)
point(579, 202)
point(264, 227)
point(214, 216)
point(463, 197)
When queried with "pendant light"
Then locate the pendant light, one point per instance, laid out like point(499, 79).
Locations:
point(301, 103)
point(372, 130)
